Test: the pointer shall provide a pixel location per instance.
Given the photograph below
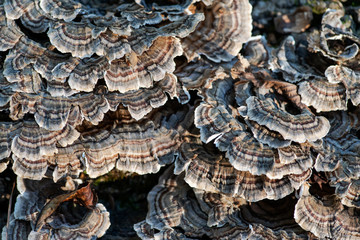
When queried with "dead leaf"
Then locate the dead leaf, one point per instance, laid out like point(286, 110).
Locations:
point(84, 196)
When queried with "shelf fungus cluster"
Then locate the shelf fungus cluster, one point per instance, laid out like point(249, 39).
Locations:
point(259, 134)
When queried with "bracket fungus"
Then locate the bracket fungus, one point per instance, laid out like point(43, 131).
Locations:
point(251, 136)
point(348, 77)
point(209, 170)
point(288, 59)
point(131, 146)
point(92, 89)
point(220, 36)
point(175, 206)
point(349, 193)
point(323, 96)
point(59, 69)
point(145, 68)
point(299, 128)
point(327, 217)
point(167, 210)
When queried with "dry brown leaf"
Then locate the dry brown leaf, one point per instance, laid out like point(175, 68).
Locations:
point(84, 196)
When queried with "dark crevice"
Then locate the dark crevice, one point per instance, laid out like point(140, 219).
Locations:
point(41, 38)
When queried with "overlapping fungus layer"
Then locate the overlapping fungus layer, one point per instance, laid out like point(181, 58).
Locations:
point(261, 133)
